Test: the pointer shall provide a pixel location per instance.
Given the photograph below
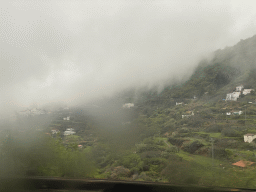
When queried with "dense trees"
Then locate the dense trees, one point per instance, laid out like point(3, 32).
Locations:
point(37, 154)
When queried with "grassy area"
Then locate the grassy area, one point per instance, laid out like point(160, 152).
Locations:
point(87, 149)
point(161, 139)
point(218, 135)
point(204, 161)
point(220, 173)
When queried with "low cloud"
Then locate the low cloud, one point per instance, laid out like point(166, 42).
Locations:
point(75, 51)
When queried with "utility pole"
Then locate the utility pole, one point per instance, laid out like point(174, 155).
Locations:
point(212, 156)
point(245, 117)
point(212, 151)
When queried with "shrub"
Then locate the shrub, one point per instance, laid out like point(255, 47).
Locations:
point(242, 122)
point(173, 149)
point(149, 148)
point(214, 129)
point(230, 132)
point(192, 147)
point(175, 141)
point(202, 151)
point(179, 172)
point(183, 130)
point(119, 171)
point(219, 153)
point(150, 154)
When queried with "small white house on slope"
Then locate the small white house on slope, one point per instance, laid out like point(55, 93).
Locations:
point(179, 103)
point(233, 96)
point(239, 88)
point(69, 131)
point(247, 91)
point(249, 137)
point(237, 112)
point(185, 116)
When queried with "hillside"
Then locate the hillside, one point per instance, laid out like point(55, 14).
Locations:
point(163, 137)
point(220, 75)
point(156, 140)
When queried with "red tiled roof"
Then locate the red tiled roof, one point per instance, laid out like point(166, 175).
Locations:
point(243, 163)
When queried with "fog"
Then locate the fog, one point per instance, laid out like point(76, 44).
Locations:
point(74, 51)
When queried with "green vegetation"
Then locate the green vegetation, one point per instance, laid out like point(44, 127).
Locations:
point(156, 144)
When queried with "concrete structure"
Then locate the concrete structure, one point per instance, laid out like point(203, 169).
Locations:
point(238, 113)
point(69, 133)
point(247, 91)
point(233, 96)
point(179, 103)
point(66, 118)
point(183, 116)
point(249, 137)
point(239, 88)
point(128, 105)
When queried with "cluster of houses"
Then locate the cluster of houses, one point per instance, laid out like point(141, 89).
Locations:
point(234, 113)
point(55, 131)
point(66, 118)
point(236, 94)
point(69, 131)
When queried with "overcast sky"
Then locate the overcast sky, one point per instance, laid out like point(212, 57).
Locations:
point(72, 51)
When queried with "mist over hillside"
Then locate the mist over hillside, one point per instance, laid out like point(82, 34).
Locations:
point(75, 52)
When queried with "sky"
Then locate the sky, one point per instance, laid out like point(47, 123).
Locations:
point(78, 50)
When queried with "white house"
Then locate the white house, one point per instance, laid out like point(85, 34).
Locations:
point(55, 131)
point(233, 96)
point(249, 137)
point(238, 113)
point(66, 118)
point(183, 116)
point(247, 91)
point(179, 103)
point(69, 132)
point(239, 88)
point(128, 105)
point(228, 113)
